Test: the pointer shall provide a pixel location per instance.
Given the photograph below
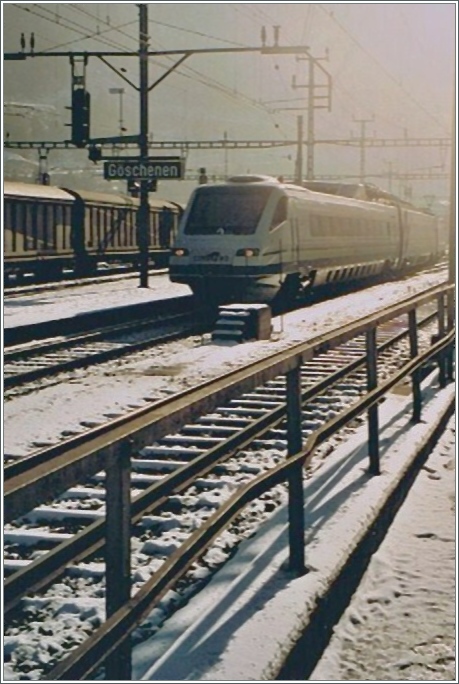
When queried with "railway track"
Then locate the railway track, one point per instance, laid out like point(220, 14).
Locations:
point(177, 482)
point(25, 364)
point(112, 275)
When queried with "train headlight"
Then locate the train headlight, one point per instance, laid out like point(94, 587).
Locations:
point(179, 252)
point(248, 252)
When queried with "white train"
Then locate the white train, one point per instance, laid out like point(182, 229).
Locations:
point(255, 238)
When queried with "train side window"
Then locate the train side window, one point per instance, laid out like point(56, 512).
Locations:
point(280, 213)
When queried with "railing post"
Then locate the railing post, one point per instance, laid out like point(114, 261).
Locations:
point(450, 325)
point(118, 554)
point(295, 477)
point(441, 333)
point(373, 420)
point(415, 379)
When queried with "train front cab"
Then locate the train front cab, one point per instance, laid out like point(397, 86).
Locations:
point(223, 251)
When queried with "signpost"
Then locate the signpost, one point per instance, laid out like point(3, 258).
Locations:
point(167, 168)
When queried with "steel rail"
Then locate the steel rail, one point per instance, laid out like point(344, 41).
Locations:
point(68, 463)
point(188, 328)
point(41, 572)
point(94, 652)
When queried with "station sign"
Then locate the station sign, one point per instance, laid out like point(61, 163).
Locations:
point(166, 168)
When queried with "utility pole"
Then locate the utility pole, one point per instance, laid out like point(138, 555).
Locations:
point(312, 105)
point(452, 230)
point(389, 174)
point(143, 215)
point(310, 147)
point(225, 140)
point(363, 123)
point(299, 153)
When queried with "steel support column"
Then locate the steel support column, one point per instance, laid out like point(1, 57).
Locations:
point(295, 479)
point(441, 333)
point(373, 418)
point(118, 554)
point(143, 214)
point(415, 379)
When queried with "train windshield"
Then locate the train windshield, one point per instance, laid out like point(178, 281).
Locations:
point(226, 210)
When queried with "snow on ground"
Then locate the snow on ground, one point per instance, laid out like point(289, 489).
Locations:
point(73, 300)
point(255, 609)
point(251, 613)
point(115, 387)
point(401, 621)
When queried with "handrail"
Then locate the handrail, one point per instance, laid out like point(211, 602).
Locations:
point(94, 652)
point(92, 537)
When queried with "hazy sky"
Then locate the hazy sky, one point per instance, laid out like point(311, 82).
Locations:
point(391, 61)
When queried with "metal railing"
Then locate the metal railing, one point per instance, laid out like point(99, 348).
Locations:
point(110, 644)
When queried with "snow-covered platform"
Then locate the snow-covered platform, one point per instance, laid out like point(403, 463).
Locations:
point(74, 300)
point(249, 617)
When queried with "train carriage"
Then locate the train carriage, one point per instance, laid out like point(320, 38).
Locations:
point(48, 229)
point(103, 226)
point(256, 239)
point(37, 224)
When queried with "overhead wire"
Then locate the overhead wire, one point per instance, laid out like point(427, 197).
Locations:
point(331, 15)
point(70, 25)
